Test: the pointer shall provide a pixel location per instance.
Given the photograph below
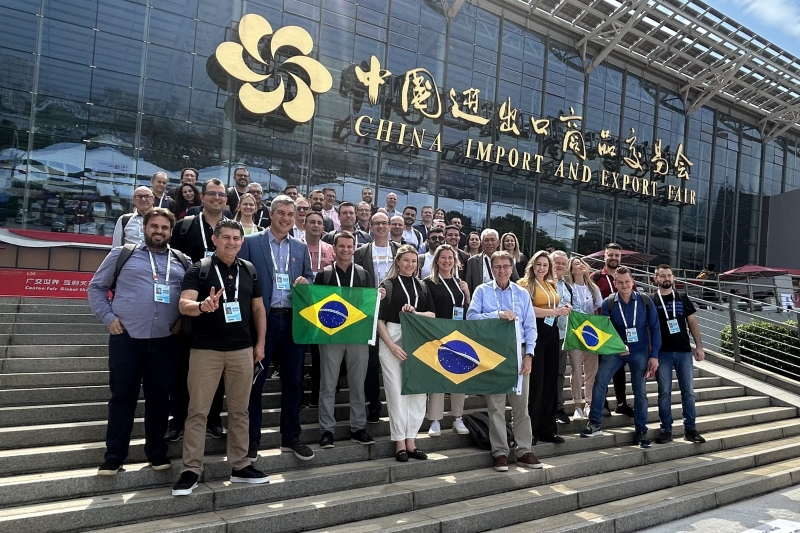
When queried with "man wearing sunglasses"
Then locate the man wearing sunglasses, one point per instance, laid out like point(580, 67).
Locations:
point(435, 239)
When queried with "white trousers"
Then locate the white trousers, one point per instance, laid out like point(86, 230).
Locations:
point(406, 412)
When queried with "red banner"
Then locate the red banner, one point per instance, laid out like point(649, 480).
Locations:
point(44, 283)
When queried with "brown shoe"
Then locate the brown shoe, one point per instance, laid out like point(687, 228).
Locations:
point(529, 460)
point(501, 463)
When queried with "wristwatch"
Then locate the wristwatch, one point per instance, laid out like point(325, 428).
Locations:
point(200, 307)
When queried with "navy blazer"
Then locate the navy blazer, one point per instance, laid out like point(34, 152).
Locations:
point(256, 249)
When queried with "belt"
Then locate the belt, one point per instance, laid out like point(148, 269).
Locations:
point(280, 310)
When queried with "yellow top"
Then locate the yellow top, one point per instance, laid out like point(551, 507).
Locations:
point(545, 296)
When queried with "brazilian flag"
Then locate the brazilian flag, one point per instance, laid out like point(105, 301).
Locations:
point(592, 333)
point(470, 357)
point(323, 314)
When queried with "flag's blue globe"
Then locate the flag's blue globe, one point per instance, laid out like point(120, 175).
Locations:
point(590, 336)
point(458, 357)
point(332, 315)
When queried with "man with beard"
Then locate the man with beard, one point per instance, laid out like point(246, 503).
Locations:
point(366, 195)
point(142, 347)
point(452, 236)
point(317, 201)
point(427, 221)
point(411, 235)
point(241, 179)
point(347, 221)
point(479, 268)
point(329, 207)
point(605, 282)
point(675, 313)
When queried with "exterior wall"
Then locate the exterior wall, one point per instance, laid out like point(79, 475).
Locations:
point(81, 125)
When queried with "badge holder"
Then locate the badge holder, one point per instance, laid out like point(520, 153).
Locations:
point(161, 293)
point(673, 326)
point(282, 282)
point(631, 335)
point(232, 312)
point(549, 320)
point(458, 313)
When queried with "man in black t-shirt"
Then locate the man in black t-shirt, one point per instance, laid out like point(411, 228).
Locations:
point(676, 316)
point(343, 273)
point(221, 294)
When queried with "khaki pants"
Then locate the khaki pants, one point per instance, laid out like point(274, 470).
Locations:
point(520, 421)
point(406, 411)
point(436, 405)
point(584, 369)
point(205, 369)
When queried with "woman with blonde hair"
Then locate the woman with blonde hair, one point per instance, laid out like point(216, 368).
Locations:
point(543, 395)
point(587, 299)
point(404, 294)
point(510, 244)
point(450, 298)
point(245, 211)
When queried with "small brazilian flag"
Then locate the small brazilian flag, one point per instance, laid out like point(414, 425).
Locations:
point(470, 357)
point(592, 333)
point(323, 314)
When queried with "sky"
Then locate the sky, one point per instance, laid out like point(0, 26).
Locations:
point(777, 21)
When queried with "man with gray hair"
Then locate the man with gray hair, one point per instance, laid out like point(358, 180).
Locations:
point(159, 183)
point(130, 228)
point(281, 262)
point(479, 268)
point(261, 216)
point(565, 293)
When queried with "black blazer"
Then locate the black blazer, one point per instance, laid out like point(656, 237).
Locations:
point(474, 274)
point(363, 256)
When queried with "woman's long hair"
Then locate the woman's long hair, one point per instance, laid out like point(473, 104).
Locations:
point(435, 267)
point(466, 246)
point(246, 196)
point(587, 278)
point(517, 253)
point(180, 202)
point(529, 281)
point(394, 271)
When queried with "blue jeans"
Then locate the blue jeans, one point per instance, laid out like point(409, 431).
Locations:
point(292, 358)
point(684, 369)
point(135, 363)
point(609, 364)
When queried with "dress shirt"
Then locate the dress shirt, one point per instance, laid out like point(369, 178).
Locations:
point(426, 260)
point(643, 322)
point(334, 216)
point(134, 303)
point(133, 231)
point(280, 253)
point(489, 300)
point(566, 297)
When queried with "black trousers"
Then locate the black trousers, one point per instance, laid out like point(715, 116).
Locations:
point(372, 386)
point(543, 389)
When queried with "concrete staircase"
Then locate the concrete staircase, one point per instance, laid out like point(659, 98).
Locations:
point(53, 392)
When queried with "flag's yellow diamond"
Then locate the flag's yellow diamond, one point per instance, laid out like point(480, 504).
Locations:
point(591, 336)
point(333, 314)
point(457, 357)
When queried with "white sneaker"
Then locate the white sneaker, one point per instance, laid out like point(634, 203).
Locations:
point(578, 414)
point(459, 427)
point(435, 429)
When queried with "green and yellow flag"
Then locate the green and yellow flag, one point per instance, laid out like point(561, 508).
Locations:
point(324, 314)
point(592, 333)
point(455, 356)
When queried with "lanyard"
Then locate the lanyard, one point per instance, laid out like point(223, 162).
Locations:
point(635, 309)
point(416, 294)
point(352, 272)
point(488, 266)
point(496, 299)
point(203, 232)
point(547, 293)
point(225, 290)
point(674, 314)
point(452, 296)
point(275, 265)
point(610, 285)
point(319, 256)
point(161, 200)
point(155, 270)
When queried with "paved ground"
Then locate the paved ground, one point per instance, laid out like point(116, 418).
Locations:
point(778, 512)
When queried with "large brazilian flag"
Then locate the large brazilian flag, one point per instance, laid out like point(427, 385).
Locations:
point(593, 334)
point(470, 357)
point(323, 314)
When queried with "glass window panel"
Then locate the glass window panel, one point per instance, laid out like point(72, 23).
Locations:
point(555, 220)
point(337, 20)
point(209, 36)
point(403, 41)
point(111, 89)
point(301, 8)
point(16, 70)
point(216, 12)
point(121, 17)
point(200, 77)
point(22, 5)
point(168, 65)
point(342, 7)
point(120, 54)
point(15, 107)
point(57, 117)
point(77, 12)
point(171, 30)
point(365, 48)
point(67, 41)
point(376, 18)
point(368, 30)
point(19, 30)
point(64, 80)
point(166, 100)
point(187, 8)
point(207, 108)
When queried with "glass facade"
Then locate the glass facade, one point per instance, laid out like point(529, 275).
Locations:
point(97, 95)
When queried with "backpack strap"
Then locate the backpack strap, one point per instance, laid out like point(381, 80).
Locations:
point(388, 287)
point(327, 274)
point(125, 219)
point(596, 276)
point(647, 302)
point(186, 223)
point(609, 303)
point(182, 258)
point(362, 275)
point(124, 254)
point(251, 269)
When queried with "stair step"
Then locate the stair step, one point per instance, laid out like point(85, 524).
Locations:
point(57, 350)
point(78, 317)
point(38, 328)
point(54, 339)
point(53, 364)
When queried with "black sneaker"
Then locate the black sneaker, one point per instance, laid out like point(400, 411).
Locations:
point(109, 468)
point(692, 435)
point(591, 431)
point(606, 409)
point(252, 451)
point(326, 440)
point(555, 439)
point(215, 429)
point(561, 417)
point(374, 417)
point(160, 463)
point(174, 431)
point(624, 409)
point(642, 440)
point(249, 474)
point(664, 437)
point(186, 484)
point(300, 450)
point(360, 436)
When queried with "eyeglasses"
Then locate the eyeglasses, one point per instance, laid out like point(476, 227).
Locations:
point(380, 223)
point(436, 239)
point(302, 208)
point(215, 194)
point(501, 267)
point(256, 193)
point(143, 196)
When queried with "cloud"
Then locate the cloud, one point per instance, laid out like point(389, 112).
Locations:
point(783, 15)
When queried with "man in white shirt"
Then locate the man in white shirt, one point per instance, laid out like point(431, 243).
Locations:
point(411, 235)
point(328, 208)
point(129, 228)
point(435, 239)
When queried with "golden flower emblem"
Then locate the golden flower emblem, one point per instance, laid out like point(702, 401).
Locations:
point(252, 29)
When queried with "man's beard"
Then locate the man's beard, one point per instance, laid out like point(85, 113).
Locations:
point(612, 263)
point(148, 240)
point(665, 284)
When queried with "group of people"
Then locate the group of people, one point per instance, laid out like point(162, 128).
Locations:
point(221, 312)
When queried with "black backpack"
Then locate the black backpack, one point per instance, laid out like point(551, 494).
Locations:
point(609, 303)
point(478, 426)
point(327, 274)
point(127, 252)
point(125, 219)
